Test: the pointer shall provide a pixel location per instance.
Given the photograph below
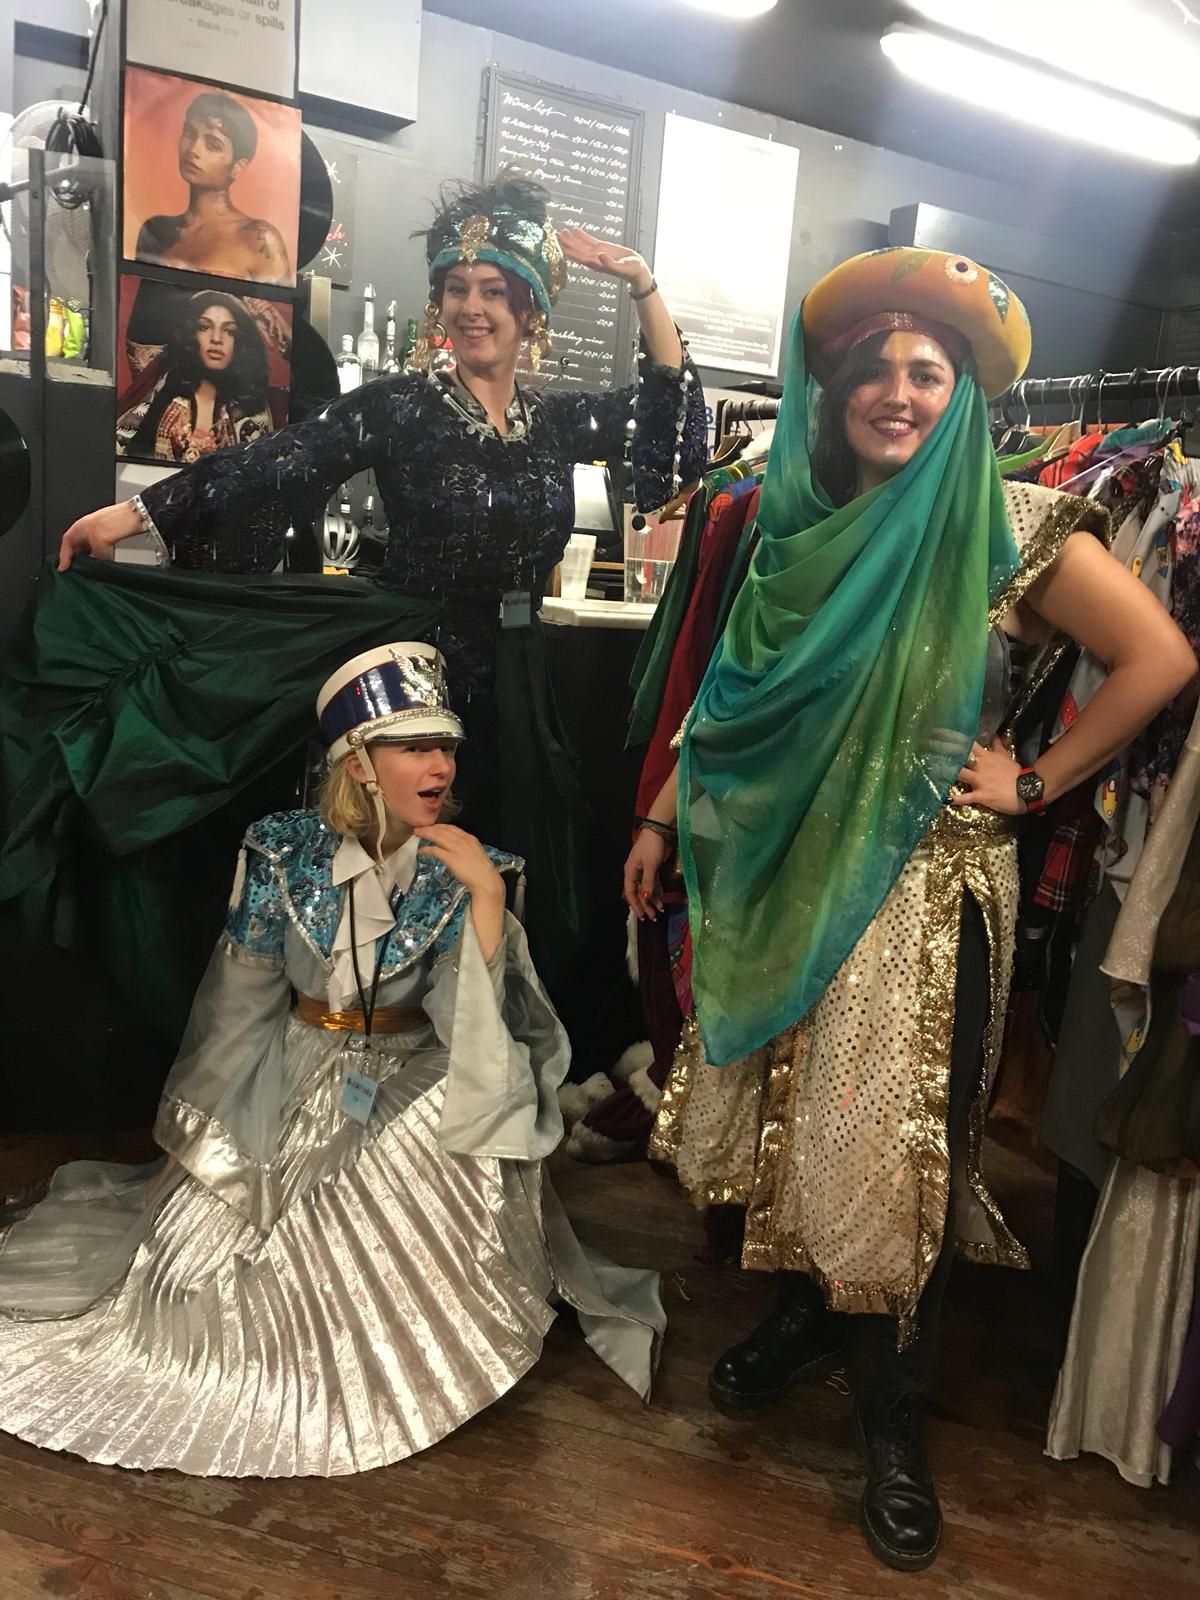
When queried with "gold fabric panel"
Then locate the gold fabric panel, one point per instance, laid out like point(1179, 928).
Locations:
point(1042, 522)
point(834, 1134)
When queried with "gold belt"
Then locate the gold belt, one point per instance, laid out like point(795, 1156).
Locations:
point(387, 1019)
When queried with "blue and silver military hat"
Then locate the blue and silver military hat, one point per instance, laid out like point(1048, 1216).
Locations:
point(395, 692)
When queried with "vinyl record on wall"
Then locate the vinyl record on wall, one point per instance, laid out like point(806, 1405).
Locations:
point(14, 472)
point(316, 201)
point(314, 371)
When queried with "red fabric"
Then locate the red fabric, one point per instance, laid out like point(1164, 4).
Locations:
point(1069, 855)
point(1073, 463)
point(718, 546)
point(663, 969)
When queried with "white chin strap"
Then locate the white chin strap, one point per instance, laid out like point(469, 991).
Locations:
point(377, 800)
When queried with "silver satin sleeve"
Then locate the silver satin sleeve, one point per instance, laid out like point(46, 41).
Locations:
point(508, 1050)
point(221, 1110)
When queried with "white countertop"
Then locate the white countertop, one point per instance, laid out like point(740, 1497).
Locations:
point(597, 614)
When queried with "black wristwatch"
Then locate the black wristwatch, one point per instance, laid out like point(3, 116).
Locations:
point(1031, 788)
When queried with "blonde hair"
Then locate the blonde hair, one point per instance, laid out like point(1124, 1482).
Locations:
point(343, 801)
point(347, 808)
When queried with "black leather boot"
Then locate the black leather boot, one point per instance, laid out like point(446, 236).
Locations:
point(900, 1515)
point(800, 1338)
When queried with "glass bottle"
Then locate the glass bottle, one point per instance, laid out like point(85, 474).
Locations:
point(348, 365)
point(368, 339)
point(411, 335)
point(391, 362)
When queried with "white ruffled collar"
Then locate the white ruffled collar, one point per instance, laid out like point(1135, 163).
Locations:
point(372, 884)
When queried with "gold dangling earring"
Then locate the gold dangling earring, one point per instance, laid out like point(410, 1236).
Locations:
point(432, 331)
point(540, 342)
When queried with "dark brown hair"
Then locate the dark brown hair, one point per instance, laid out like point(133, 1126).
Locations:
point(234, 121)
point(834, 464)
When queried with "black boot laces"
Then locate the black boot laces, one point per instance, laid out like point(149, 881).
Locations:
point(896, 1439)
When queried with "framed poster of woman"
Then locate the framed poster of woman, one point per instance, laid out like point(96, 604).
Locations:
point(212, 179)
point(198, 370)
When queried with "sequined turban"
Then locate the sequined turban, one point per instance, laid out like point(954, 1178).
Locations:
point(506, 223)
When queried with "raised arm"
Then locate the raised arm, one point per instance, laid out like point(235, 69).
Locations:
point(666, 406)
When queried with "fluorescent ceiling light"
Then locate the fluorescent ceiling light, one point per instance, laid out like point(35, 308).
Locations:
point(1038, 99)
point(733, 10)
point(1118, 43)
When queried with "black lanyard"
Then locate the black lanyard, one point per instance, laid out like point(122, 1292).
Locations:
point(366, 1007)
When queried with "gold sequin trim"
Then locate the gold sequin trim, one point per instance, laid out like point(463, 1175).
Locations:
point(787, 1054)
point(1042, 521)
point(708, 1123)
point(927, 1154)
point(816, 1099)
point(473, 235)
point(667, 1132)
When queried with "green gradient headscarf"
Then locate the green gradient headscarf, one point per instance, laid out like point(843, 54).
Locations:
point(836, 713)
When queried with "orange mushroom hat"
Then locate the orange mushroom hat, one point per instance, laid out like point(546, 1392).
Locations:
point(958, 302)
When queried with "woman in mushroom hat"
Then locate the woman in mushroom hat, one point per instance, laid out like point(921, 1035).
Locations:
point(847, 801)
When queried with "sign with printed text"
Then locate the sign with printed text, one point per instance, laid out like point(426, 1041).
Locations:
point(728, 296)
point(587, 153)
point(248, 44)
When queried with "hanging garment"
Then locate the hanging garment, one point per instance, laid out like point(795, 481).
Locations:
point(1137, 1280)
point(654, 657)
point(1129, 1325)
point(1094, 1045)
point(1060, 472)
point(1121, 793)
point(1179, 1425)
point(617, 1125)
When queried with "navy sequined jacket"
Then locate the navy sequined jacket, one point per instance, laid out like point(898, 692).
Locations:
point(469, 517)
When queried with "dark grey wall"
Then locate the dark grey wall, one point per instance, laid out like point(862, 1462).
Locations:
point(69, 16)
point(846, 194)
point(1111, 316)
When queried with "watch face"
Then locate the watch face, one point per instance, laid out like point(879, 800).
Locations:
point(1030, 788)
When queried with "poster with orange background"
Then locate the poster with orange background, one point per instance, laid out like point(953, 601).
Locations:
point(212, 179)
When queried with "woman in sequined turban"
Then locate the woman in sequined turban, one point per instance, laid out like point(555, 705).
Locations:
point(351, 1247)
point(475, 472)
point(848, 793)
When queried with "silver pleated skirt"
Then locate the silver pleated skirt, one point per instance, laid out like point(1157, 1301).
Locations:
point(394, 1299)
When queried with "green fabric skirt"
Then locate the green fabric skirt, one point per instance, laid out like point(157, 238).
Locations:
point(148, 716)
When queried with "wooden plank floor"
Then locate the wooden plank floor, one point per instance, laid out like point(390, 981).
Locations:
point(569, 1489)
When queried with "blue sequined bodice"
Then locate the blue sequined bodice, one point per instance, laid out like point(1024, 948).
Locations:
point(288, 878)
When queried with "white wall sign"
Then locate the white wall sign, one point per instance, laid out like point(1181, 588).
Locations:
point(248, 44)
point(725, 279)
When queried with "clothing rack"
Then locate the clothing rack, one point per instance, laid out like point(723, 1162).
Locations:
point(755, 409)
point(1100, 391)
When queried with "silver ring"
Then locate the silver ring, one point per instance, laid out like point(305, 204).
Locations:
point(972, 759)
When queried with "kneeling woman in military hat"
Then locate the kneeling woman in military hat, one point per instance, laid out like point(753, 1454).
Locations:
point(351, 1247)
